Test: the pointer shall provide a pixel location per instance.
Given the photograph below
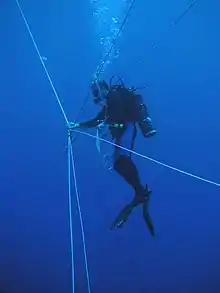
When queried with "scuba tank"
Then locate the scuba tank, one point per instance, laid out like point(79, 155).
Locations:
point(123, 105)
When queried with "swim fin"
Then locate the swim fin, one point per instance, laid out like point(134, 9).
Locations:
point(122, 217)
point(147, 217)
point(126, 211)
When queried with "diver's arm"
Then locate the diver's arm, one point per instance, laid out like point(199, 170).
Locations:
point(90, 123)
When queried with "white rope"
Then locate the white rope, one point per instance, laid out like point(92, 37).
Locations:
point(69, 162)
point(42, 61)
point(151, 159)
point(80, 218)
point(70, 211)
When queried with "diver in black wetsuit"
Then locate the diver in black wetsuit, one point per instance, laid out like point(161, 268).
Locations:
point(122, 110)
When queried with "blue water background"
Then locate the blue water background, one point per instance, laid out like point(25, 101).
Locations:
point(180, 67)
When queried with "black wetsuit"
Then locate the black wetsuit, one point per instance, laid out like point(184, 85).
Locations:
point(116, 113)
point(124, 137)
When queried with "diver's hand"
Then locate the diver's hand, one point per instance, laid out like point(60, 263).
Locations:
point(73, 125)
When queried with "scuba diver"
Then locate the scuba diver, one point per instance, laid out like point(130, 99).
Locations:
point(122, 110)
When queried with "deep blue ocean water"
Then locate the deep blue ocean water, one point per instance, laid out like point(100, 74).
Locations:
point(178, 63)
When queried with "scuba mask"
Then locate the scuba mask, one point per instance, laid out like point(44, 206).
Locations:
point(100, 90)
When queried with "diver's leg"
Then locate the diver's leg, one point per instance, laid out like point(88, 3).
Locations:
point(123, 163)
point(125, 167)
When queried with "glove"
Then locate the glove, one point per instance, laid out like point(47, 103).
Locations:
point(73, 125)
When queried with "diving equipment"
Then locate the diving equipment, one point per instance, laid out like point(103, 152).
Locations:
point(99, 90)
point(145, 122)
point(126, 211)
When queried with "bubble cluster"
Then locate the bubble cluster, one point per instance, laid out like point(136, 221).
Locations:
point(108, 17)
